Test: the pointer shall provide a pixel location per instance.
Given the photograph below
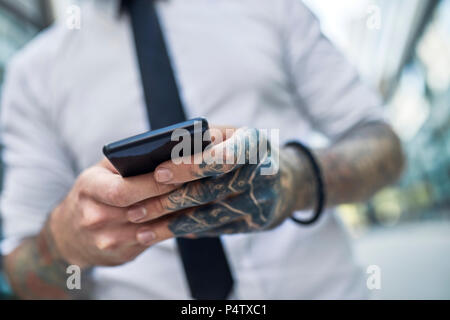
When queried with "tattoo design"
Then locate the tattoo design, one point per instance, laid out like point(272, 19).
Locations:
point(237, 199)
point(35, 270)
point(366, 159)
point(243, 200)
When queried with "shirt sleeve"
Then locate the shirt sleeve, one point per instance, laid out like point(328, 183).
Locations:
point(326, 85)
point(37, 171)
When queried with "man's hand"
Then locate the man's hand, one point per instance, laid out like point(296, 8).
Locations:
point(90, 226)
point(256, 190)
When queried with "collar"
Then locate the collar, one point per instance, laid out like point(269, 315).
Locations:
point(111, 8)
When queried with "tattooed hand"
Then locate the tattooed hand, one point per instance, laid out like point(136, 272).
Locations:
point(242, 184)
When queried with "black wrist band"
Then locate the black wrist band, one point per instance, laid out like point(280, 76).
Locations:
point(320, 187)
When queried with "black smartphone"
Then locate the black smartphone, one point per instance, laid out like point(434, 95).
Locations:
point(144, 152)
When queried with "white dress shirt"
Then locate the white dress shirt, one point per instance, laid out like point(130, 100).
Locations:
point(256, 63)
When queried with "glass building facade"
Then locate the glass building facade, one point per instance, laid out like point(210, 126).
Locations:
point(421, 106)
point(407, 58)
point(420, 112)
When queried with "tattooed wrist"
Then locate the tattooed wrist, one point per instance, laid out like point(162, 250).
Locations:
point(36, 270)
point(303, 186)
point(366, 159)
point(354, 167)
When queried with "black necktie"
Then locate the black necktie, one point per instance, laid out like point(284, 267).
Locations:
point(205, 264)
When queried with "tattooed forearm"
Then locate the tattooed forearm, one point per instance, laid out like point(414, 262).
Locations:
point(35, 271)
point(362, 162)
point(239, 198)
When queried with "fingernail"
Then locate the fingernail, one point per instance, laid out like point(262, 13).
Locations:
point(163, 175)
point(146, 237)
point(136, 214)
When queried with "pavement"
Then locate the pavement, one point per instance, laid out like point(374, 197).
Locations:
point(414, 259)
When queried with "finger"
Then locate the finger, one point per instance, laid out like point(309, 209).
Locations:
point(116, 238)
point(112, 189)
point(153, 232)
point(195, 194)
point(105, 163)
point(217, 159)
point(185, 224)
point(205, 218)
point(118, 245)
point(239, 225)
point(97, 215)
point(159, 231)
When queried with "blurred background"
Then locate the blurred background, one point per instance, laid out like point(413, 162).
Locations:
point(401, 47)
